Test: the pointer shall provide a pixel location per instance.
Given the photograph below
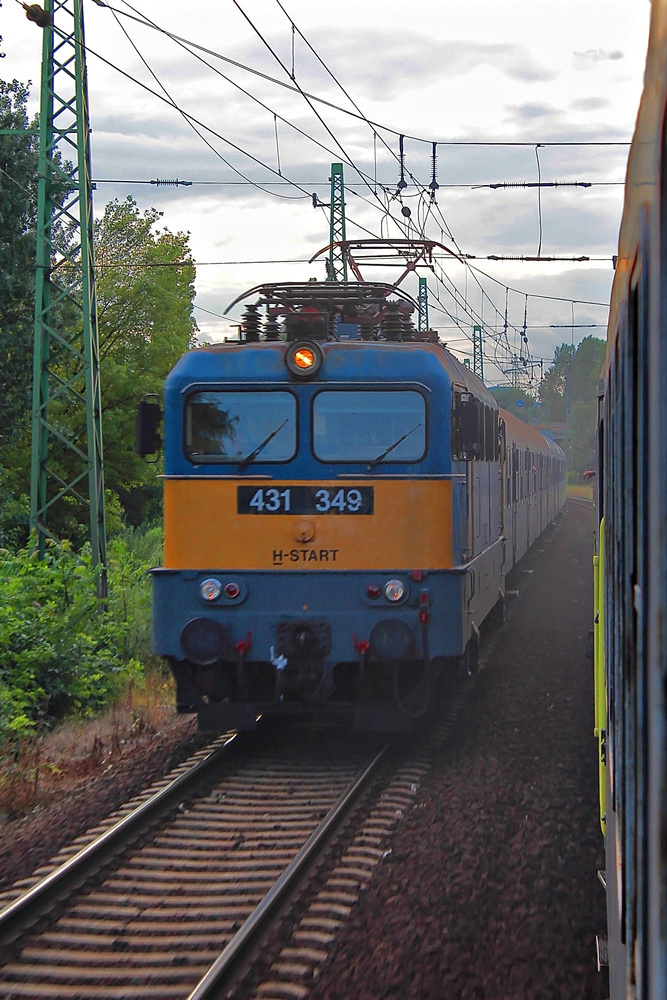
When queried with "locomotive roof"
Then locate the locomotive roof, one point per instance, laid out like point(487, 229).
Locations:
point(354, 359)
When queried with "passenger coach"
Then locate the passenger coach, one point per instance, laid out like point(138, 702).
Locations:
point(631, 564)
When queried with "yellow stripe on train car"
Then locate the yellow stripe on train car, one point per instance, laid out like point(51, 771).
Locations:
point(410, 527)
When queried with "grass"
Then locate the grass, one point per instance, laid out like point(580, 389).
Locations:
point(580, 491)
point(41, 768)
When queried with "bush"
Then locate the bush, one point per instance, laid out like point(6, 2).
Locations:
point(61, 649)
point(131, 553)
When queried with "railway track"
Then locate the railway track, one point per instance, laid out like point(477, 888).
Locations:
point(173, 898)
point(581, 502)
point(171, 915)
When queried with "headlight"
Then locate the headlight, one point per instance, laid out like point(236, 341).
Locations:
point(205, 642)
point(394, 590)
point(210, 590)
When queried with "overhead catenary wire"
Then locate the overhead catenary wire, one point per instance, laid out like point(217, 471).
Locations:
point(306, 135)
point(277, 117)
point(183, 114)
point(348, 157)
point(384, 128)
point(386, 213)
point(348, 184)
point(312, 49)
point(173, 103)
point(197, 121)
point(402, 184)
point(422, 214)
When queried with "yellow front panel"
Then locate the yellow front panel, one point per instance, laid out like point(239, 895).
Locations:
point(410, 528)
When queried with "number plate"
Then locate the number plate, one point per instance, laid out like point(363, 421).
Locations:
point(305, 500)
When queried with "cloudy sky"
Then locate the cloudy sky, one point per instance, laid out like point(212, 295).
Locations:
point(487, 80)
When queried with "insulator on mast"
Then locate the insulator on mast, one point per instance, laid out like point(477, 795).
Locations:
point(433, 186)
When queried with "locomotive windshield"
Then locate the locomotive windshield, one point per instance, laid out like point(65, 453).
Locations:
point(369, 425)
point(240, 427)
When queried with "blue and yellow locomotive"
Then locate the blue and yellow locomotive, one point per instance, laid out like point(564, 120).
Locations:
point(340, 512)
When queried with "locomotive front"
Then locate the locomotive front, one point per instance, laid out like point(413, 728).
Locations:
point(309, 505)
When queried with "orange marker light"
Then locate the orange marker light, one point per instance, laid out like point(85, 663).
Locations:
point(304, 358)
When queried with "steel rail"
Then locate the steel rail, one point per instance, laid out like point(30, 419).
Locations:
point(23, 912)
point(228, 960)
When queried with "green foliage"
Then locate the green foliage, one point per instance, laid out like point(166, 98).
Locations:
point(520, 403)
point(18, 215)
point(14, 514)
point(61, 650)
point(131, 554)
point(568, 394)
point(56, 650)
point(572, 378)
point(18, 200)
point(145, 290)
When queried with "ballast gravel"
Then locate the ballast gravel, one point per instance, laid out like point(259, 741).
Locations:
point(490, 891)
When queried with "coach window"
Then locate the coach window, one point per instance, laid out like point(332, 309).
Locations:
point(224, 426)
point(522, 476)
point(369, 425)
point(508, 474)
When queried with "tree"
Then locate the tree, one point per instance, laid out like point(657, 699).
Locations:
point(145, 292)
point(520, 403)
point(18, 200)
point(554, 385)
point(568, 394)
point(18, 175)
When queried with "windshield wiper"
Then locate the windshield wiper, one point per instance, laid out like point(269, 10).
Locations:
point(391, 447)
point(260, 447)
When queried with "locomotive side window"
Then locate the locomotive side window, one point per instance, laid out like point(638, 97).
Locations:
point(241, 427)
point(362, 425)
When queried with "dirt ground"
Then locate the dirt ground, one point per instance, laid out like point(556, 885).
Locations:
point(70, 779)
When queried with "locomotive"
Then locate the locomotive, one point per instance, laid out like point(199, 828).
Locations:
point(343, 499)
point(630, 637)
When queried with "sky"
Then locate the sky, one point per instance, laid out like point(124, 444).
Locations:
point(502, 87)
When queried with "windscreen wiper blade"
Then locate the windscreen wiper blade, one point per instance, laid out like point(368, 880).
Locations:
point(391, 447)
point(260, 447)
